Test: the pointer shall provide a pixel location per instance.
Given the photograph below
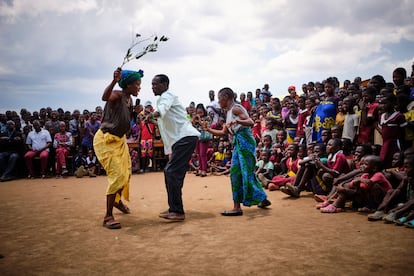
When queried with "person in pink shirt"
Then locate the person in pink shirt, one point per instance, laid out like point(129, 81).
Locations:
point(303, 113)
point(147, 136)
point(62, 143)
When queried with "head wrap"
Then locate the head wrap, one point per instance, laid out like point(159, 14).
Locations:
point(129, 76)
point(292, 87)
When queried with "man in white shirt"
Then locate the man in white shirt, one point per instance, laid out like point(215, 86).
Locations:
point(213, 106)
point(179, 138)
point(38, 142)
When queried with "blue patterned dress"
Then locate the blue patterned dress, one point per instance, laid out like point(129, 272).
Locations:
point(246, 188)
point(323, 118)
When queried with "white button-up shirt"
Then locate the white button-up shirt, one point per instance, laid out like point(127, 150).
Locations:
point(173, 123)
point(39, 139)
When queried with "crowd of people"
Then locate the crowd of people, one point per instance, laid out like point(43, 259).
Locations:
point(350, 144)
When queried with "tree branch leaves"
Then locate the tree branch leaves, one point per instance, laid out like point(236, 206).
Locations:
point(151, 47)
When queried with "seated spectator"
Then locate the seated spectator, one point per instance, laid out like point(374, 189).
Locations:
point(38, 141)
point(360, 152)
point(79, 164)
point(217, 157)
point(290, 166)
point(321, 183)
point(62, 143)
point(264, 168)
point(194, 164)
point(93, 164)
point(368, 190)
point(224, 169)
point(402, 194)
point(11, 149)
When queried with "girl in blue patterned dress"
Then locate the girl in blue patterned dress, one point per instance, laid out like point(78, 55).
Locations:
point(246, 188)
point(324, 116)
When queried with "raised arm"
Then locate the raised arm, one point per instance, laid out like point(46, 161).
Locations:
point(108, 95)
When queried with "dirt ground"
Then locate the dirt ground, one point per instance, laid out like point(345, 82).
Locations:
point(54, 227)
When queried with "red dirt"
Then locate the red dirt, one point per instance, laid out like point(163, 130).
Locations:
point(54, 227)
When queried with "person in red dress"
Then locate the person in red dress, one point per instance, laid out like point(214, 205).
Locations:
point(391, 127)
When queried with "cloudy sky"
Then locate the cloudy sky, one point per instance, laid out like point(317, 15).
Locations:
point(62, 53)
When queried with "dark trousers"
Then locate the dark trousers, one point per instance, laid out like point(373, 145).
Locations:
point(175, 170)
point(8, 162)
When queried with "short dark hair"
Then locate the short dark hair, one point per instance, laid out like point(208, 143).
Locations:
point(227, 91)
point(163, 79)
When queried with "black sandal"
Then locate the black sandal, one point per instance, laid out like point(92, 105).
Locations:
point(122, 207)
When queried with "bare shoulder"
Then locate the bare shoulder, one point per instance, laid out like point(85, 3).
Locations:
point(116, 95)
point(237, 109)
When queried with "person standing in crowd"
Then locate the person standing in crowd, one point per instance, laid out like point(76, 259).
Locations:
point(110, 143)
point(91, 127)
point(147, 137)
point(204, 139)
point(74, 128)
point(38, 142)
point(11, 148)
point(392, 124)
point(180, 140)
point(250, 99)
point(292, 93)
point(244, 102)
point(213, 106)
point(324, 116)
point(246, 187)
point(369, 116)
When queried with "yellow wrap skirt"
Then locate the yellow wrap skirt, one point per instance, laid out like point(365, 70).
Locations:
point(113, 154)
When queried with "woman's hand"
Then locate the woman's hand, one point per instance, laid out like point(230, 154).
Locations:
point(117, 74)
point(233, 122)
point(204, 125)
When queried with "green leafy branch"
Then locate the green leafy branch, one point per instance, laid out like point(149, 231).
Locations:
point(151, 47)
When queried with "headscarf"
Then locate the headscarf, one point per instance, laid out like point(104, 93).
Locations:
point(129, 76)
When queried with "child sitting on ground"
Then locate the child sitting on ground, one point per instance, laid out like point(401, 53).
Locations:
point(402, 194)
point(290, 166)
point(92, 164)
point(217, 157)
point(264, 168)
point(321, 183)
point(193, 164)
point(224, 169)
point(396, 173)
point(368, 190)
point(79, 164)
point(360, 152)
